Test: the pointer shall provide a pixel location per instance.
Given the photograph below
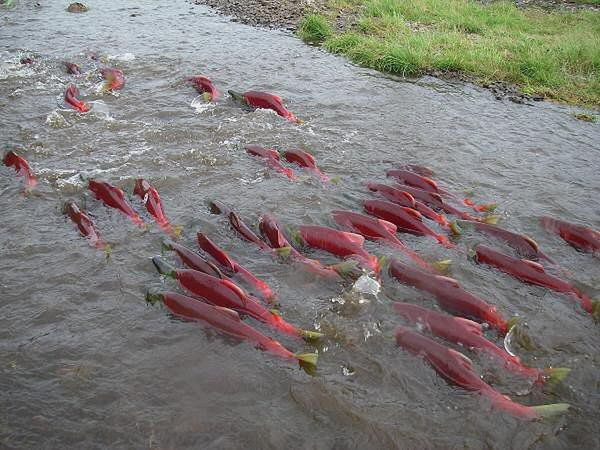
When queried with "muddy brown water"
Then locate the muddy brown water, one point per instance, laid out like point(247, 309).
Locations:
point(85, 363)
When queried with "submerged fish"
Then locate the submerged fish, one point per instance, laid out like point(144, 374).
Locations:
point(11, 159)
point(457, 369)
point(271, 158)
point(264, 100)
point(449, 295)
point(226, 294)
point(71, 99)
point(72, 68)
point(467, 333)
point(407, 220)
point(305, 160)
point(533, 273)
point(84, 223)
point(377, 230)
point(113, 197)
point(233, 268)
point(114, 79)
point(151, 200)
point(225, 320)
point(205, 87)
point(581, 237)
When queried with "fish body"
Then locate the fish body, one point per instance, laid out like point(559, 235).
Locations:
point(529, 272)
point(114, 79)
point(272, 233)
point(113, 197)
point(151, 200)
point(458, 370)
point(305, 160)
point(225, 293)
point(271, 158)
point(466, 333)
point(223, 319)
point(264, 100)
point(11, 159)
point(71, 99)
point(339, 243)
point(233, 268)
point(524, 245)
point(84, 223)
point(377, 230)
point(72, 68)
point(413, 179)
point(204, 86)
point(193, 260)
point(581, 237)
point(407, 220)
point(449, 295)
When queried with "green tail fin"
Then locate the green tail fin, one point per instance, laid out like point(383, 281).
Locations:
point(335, 180)
point(154, 297)
point(551, 410)
point(307, 358)
point(310, 335)
point(283, 252)
point(555, 375)
point(596, 309)
point(163, 267)
point(108, 249)
point(166, 245)
point(455, 228)
point(512, 322)
point(442, 266)
point(206, 97)
point(491, 220)
point(177, 230)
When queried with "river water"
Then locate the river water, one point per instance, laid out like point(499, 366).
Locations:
point(85, 363)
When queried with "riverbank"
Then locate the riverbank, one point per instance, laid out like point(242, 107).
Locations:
point(521, 53)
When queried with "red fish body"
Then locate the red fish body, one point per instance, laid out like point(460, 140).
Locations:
point(339, 243)
point(306, 160)
point(524, 245)
point(404, 198)
point(246, 233)
point(11, 159)
point(449, 295)
point(71, 99)
point(457, 369)
point(204, 86)
point(231, 267)
point(420, 170)
point(264, 100)
point(151, 200)
point(271, 158)
point(581, 237)
point(466, 333)
point(529, 272)
point(271, 231)
point(114, 79)
point(377, 230)
point(226, 294)
point(194, 261)
point(407, 220)
point(113, 197)
point(225, 320)
point(72, 68)
point(415, 180)
point(84, 224)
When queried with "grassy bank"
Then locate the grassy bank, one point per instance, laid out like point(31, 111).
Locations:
point(550, 54)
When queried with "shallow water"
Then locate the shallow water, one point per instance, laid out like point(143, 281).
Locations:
point(85, 363)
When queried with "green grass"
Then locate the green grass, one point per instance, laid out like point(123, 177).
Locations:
point(552, 54)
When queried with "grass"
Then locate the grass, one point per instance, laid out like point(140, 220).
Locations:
point(551, 54)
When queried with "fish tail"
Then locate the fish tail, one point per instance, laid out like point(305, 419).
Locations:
point(307, 358)
point(554, 375)
point(163, 267)
point(154, 297)
point(550, 410)
point(308, 335)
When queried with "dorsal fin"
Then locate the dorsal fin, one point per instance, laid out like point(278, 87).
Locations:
point(534, 265)
point(469, 325)
point(388, 226)
point(447, 280)
point(413, 212)
point(462, 359)
point(234, 287)
point(430, 182)
point(409, 197)
point(532, 243)
point(354, 238)
point(230, 313)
